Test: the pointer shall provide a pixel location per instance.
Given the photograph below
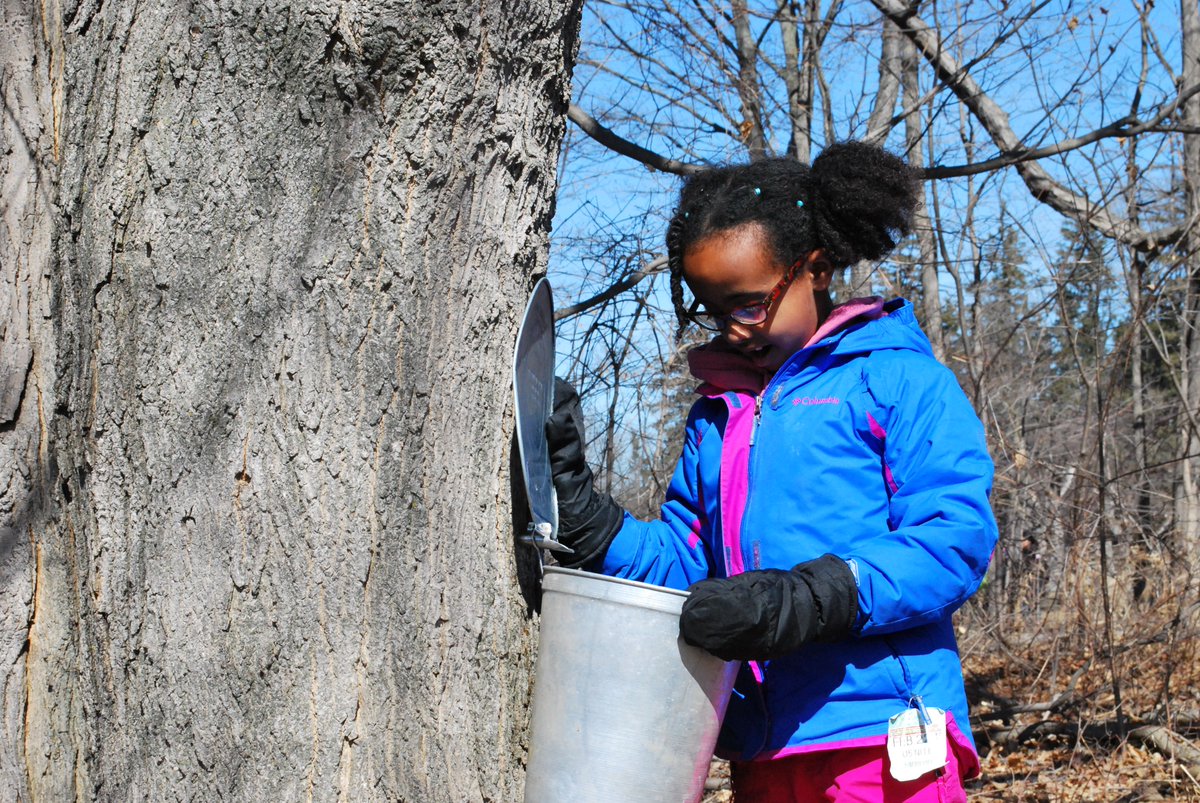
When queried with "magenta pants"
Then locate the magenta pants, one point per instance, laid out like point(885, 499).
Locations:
point(850, 775)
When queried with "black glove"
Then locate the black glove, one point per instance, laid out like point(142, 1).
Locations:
point(765, 614)
point(587, 521)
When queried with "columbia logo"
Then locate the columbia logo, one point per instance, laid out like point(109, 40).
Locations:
point(808, 401)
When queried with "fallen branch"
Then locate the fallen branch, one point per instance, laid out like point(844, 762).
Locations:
point(1166, 742)
point(1155, 737)
point(1008, 708)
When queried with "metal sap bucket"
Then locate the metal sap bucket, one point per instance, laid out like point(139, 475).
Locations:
point(623, 710)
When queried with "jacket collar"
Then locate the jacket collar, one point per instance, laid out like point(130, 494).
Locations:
point(720, 367)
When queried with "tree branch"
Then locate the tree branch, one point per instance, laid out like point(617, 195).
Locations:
point(995, 121)
point(618, 144)
point(1128, 126)
point(650, 268)
point(1168, 743)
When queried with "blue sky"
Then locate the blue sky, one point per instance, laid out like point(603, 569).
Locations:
point(1068, 69)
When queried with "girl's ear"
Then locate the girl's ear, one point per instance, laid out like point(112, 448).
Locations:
point(821, 268)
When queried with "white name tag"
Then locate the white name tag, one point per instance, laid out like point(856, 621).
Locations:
point(916, 746)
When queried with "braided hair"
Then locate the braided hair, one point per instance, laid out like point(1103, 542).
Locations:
point(855, 202)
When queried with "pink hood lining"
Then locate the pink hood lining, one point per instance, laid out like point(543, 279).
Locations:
point(721, 367)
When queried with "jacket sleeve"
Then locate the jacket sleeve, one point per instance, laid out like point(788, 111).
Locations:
point(668, 552)
point(941, 527)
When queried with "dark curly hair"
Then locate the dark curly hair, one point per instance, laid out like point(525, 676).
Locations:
point(855, 202)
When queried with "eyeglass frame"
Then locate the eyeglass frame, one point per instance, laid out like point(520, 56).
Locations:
point(722, 321)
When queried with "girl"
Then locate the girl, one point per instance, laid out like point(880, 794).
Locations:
point(830, 509)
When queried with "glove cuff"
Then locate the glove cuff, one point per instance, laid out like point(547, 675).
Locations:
point(834, 595)
point(591, 539)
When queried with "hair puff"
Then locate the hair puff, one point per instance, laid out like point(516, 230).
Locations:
point(864, 201)
point(855, 202)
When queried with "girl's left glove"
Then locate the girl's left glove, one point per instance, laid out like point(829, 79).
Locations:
point(768, 613)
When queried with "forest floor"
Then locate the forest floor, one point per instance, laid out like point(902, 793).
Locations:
point(1061, 742)
point(1043, 712)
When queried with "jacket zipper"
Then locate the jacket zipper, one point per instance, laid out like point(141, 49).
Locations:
point(762, 669)
point(758, 670)
point(757, 418)
point(904, 673)
point(748, 560)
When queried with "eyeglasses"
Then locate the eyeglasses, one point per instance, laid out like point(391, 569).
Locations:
point(750, 314)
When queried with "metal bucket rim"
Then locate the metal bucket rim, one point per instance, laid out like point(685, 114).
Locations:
point(612, 590)
point(580, 573)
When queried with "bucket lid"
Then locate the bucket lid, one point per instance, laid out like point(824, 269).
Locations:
point(533, 389)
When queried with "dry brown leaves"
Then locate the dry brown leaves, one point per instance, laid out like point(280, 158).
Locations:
point(1044, 705)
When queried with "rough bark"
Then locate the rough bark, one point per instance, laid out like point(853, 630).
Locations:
point(257, 540)
point(30, 89)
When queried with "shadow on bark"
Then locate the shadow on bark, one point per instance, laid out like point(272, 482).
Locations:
point(524, 555)
point(10, 563)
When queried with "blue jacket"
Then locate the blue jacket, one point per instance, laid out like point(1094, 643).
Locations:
point(864, 446)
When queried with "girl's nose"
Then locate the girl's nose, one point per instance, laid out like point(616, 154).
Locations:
point(735, 332)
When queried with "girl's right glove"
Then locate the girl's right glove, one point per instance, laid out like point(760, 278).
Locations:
point(768, 613)
point(587, 520)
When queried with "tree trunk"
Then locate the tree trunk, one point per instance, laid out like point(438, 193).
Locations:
point(31, 87)
point(914, 140)
point(891, 44)
point(799, 90)
point(257, 538)
point(748, 89)
point(1189, 501)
